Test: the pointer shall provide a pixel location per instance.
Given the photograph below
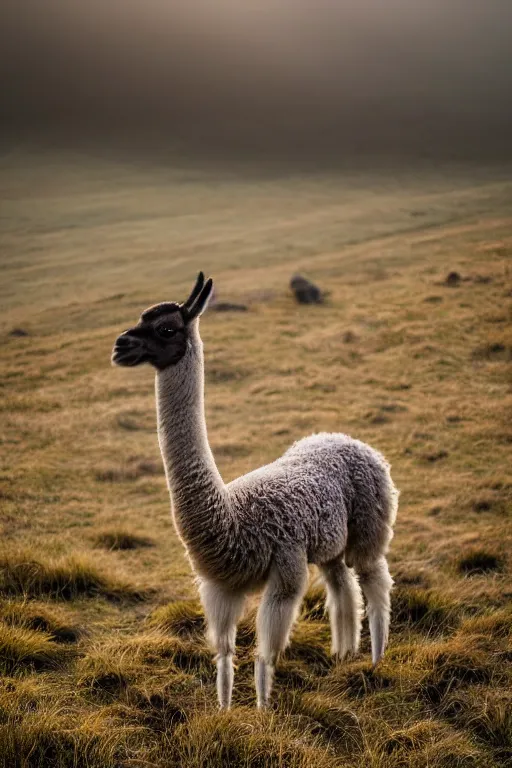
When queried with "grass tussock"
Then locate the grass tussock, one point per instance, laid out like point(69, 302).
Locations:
point(121, 539)
point(357, 680)
point(183, 618)
point(39, 617)
point(25, 649)
point(163, 704)
point(333, 720)
point(496, 625)
point(313, 607)
point(103, 678)
point(484, 712)
point(428, 743)
point(66, 578)
point(150, 652)
point(424, 610)
point(53, 738)
point(309, 644)
point(451, 665)
point(245, 738)
point(479, 562)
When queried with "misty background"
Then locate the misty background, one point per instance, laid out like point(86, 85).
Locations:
point(284, 78)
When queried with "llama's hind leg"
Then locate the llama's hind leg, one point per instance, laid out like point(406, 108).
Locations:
point(278, 610)
point(223, 610)
point(344, 604)
point(376, 583)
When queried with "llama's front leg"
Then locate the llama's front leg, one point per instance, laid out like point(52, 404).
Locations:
point(222, 610)
point(277, 613)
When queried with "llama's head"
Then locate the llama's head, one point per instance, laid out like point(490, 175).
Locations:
point(161, 335)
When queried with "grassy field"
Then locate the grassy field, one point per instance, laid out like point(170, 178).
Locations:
point(102, 657)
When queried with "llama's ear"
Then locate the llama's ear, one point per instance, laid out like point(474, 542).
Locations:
point(201, 302)
point(195, 291)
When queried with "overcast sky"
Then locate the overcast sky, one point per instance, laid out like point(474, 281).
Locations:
point(271, 74)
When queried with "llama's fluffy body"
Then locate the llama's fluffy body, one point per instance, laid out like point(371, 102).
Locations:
point(328, 495)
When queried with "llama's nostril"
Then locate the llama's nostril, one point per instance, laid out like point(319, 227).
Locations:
point(125, 341)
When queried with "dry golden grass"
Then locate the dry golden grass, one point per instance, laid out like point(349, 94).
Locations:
point(67, 578)
point(103, 658)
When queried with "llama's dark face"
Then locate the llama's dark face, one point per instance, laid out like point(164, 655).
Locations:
point(160, 337)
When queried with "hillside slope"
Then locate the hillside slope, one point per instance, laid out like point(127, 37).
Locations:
point(102, 654)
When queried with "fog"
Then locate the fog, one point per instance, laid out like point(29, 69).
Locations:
point(275, 77)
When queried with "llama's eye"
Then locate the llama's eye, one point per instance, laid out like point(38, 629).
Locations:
point(165, 332)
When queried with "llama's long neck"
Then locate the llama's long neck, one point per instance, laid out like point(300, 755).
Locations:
point(198, 495)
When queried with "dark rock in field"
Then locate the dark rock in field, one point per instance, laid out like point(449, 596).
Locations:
point(227, 306)
point(305, 291)
point(452, 279)
point(18, 332)
point(349, 337)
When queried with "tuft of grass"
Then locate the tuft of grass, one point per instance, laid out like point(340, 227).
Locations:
point(485, 712)
point(357, 680)
point(313, 607)
point(409, 578)
point(424, 610)
point(292, 675)
point(309, 644)
point(29, 650)
point(496, 625)
point(479, 562)
point(244, 738)
point(183, 618)
point(163, 706)
point(450, 665)
point(151, 650)
point(334, 721)
point(53, 738)
point(105, 679)
point(67, 578)
point(121, 539)
point(39, 617)
point(427, 743)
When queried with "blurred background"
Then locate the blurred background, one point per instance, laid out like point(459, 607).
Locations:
point(296, 80)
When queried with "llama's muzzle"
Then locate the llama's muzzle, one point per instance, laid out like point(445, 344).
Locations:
point(128, 350)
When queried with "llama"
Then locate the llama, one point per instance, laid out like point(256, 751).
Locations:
point(329, 500)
